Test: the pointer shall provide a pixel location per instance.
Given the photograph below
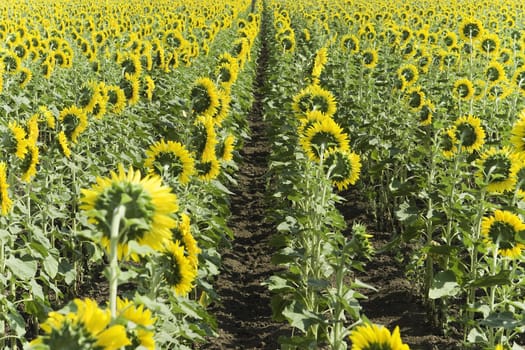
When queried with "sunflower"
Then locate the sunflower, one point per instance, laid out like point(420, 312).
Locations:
point(116, 98)
point(497, 169)
point(314, 97)
point(489, 43)
point(84, 326)
point(223, 108)
point(30, 162)
point(170, 158)
point(148, 208)
point(499, 90)
point(63, 144)
point(323, 136)
point(479, 89)
point(25, 76)
point(470, 29)
point(149, 87)
point(426, 113)
point(204, 97)
point(89, 95)
point(177, 268)
point(309, 119)
point(469, 133)
point(500, 230)
point(209, 169)
point(18, 139)
point(463, 89)
point(350, 43)
point(130, 65)
point(518, 133)
point(182, 234)
point(131, 87)
point(6, 202)
point(408, 74)
point(321, 58)
point(343, 167)
point(449, 143)
point(225, 149)
point(142, 332)
point(415, 98)
point(371, 336)
point(519, 79)
point(226, 74)
point(369, 58)
point(494, 72)
point(74, 122)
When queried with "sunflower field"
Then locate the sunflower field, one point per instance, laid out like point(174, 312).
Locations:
point(123, 125)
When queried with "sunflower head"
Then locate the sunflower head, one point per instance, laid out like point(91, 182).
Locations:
point(170, 158)
point(142, 330)
point(148, 208)
point(204, 97)
point(372, 336)
point(324, 136)
point(500, 231)
point(497, 169)
point(314, 97)
point(463, 89)
point(343, 167)
point(470, 29)
point(449, 143)
point(176, 268)
point(469, 133)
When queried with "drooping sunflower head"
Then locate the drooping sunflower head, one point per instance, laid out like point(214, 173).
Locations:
point(131, 86)
point(116, 98)
point(223, 107)
point(30, 162)
point(149, 206)
point(177, 268)
point(321, 58)
point(88, 96)
point(182, 234)
point(469, 133)
point(500, 231)
point(497, 169)
point(463, 89)
point(208, 169)
point(171, 158)
point(371, 336)
point(470, 29)
point(224, 149)
point(324, 136)
point(314, 97)
point(226, 74)
point(343, 167)
point(130, 64)
point(204, 97)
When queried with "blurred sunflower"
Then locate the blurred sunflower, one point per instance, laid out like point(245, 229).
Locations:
point(74, 122)
point(63, 144)
point(149, 206)
point(321, 58)
point(350, 43)
point(208, 169)
point(131, 87)
point(314, 97)
point(489, 43)
point(30, 162)
point(177, 268)
point(415, 98)
point(448, 143)
point(469, 133)
point(369, 58)
point(170, 158)
point(463, 89)
point(148, 87)
point(182, 234)
point(204, 97)
point(470, 29)
point(141, 332)
point(344, 167)
point(519, 80)
point(17, 140)
point(224, 149)
point(116, 98)
point(223, 107)
point(518, 133)
point(494, 72)
point(371, 336)
point(497, 169)
point(426, 112)
point(88, 96)
point(408, 74)
point(24, 77)
point(226, 74)
point(500, 230)
point(130, 65)
point(6, 202)
point(84, 326)
point(323, 136)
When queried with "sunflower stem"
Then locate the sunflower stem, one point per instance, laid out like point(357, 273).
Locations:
point(118, 215)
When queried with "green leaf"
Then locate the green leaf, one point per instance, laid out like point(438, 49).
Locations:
point(51, 266)
point(503, 319)
point(24, 270)
point(299, 317)
point(444, 284)
point(277, 283)
point(501, 279)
